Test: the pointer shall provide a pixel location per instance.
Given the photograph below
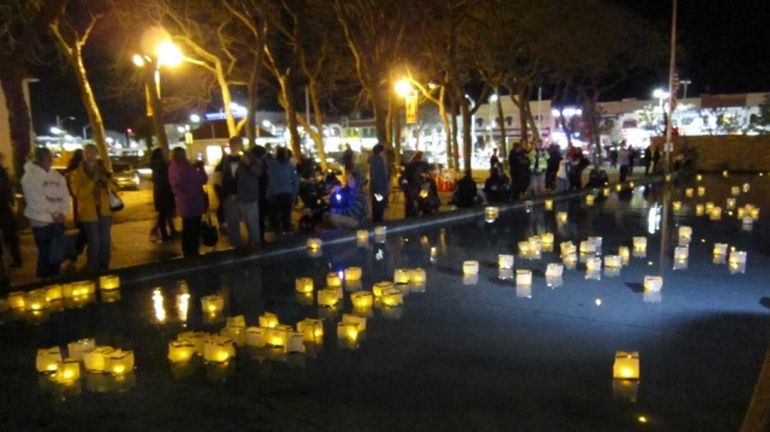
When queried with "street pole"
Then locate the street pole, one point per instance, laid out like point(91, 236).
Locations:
point(669, 146)
point(152, 83)
point(540, 111)
point(685, 83)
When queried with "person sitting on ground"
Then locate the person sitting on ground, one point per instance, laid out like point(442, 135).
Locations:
point(597, 178)
point(466, 195)
point(355, 209)
point(496, 186)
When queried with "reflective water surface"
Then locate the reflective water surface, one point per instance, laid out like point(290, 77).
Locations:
point(482, 351)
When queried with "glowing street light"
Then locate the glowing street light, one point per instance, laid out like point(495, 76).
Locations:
point(404, 88)
point(56, 131)
point(195, 118)
point(168, 54)
point(157, 50)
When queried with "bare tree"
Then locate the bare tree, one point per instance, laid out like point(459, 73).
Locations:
point(374, 31)
point(590, 62)
point(251, 16)
point(71, 28)
point(21, 43)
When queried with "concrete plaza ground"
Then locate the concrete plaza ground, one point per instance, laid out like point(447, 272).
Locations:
point(131, 244)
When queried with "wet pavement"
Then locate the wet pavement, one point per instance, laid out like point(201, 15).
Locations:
point(461, 353)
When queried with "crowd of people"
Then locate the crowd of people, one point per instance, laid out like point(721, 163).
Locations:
point(258, 188)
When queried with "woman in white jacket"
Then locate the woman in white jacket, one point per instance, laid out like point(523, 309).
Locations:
point(47, 203)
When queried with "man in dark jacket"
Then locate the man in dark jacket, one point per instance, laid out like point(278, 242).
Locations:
point(379, 183)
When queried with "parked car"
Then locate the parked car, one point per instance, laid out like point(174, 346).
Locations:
point(125, 176)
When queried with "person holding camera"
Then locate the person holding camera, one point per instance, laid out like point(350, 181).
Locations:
point(91, 184)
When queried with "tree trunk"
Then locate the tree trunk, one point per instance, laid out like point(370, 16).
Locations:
point(92, 108)
point(227, 98)
point(564, 126)
point(396, 117)
point(286, 99)
point(251, 124)
point(12, 82)
point(523, 107)
point(533, 123)
point(501, 122)
point(454, 137)
point(595, 128)
point(318, 137)
point(447, 127)
point(151, 92)
point(467, 144)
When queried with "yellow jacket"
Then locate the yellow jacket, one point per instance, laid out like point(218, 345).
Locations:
point(82, 187)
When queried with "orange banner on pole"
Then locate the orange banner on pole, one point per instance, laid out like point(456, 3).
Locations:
point(411, 108)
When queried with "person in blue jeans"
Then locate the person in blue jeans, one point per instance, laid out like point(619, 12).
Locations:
point(47, 204)
point(282, 188)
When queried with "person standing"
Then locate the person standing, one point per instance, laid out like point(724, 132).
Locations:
point(562, 176)
point(632, 154)
point(230, 164)
point(554, 157)
point(80, 243)
point(187, 181)
point(90, 185)
point(163, 196)
point(282, 188)
point(412, 182)
point(538, 164)
point(494, 161)
point(248, 176)
point(647, 160)
point(379, 183)
point(348, 159)
point(262, 156)
point(8, 224)
point(623, 161)
point(47, 203)
point(513, 167)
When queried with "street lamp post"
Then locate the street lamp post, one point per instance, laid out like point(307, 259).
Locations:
point(406, 90)
point(166, 54)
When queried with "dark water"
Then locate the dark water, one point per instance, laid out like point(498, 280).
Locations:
point(487, 356)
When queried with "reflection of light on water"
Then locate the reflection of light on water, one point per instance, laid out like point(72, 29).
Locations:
point(182, 305)
point(653, 219)
point(157, 305)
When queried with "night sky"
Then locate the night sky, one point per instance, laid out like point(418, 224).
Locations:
point(724, 46)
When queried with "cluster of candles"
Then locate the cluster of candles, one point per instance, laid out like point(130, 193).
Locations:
point(37, 303)
point(81, 355)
